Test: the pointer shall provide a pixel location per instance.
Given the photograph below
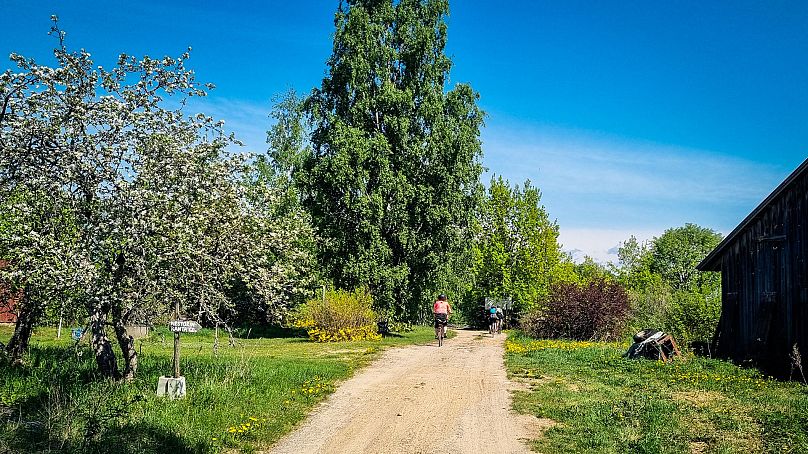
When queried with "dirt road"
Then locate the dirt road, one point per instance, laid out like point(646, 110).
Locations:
point(421, 399)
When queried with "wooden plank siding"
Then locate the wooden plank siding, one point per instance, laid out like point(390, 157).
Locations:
point(764, 281)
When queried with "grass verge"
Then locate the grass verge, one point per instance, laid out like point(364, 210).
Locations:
point(601, 402)
point(241, 398)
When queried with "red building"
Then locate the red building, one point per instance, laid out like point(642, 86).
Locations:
point(8, 301)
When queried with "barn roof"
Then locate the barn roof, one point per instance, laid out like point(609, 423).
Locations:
point(713, 261)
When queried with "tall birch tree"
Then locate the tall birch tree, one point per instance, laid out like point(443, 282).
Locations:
point(393, 177)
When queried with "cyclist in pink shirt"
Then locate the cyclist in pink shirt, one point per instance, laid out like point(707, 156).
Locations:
point(441, 309)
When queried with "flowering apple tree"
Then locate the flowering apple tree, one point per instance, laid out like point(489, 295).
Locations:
point(123, 206)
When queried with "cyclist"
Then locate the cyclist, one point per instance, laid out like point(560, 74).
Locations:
point(492, 319)
point(441, 310)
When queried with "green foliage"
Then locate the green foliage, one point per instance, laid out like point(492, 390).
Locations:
point(651, 307)
point(675, 254)
point(517, 252)
point(339, 316)
point(694, 316)
point(667, 291)
point(393, 176)
point(593, 400)
point(589, 270)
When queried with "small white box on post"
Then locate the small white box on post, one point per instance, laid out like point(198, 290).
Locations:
point(174, 387)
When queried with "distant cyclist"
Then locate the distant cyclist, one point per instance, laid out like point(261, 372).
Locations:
point(441, 309)
point(492, 319)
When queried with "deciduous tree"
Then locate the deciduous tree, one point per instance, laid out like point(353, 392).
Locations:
point(517, 251)
point(129, 207)
point(394, 171)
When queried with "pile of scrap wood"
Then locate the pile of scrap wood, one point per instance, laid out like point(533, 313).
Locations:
point(653, 344)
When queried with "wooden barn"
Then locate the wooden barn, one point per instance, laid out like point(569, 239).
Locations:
point(764, 281)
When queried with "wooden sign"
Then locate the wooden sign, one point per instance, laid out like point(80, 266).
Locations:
point(184, 326)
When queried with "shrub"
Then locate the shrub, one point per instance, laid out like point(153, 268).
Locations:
point(692, 316)
point(339, 316)
point(595, 310)
point(689, 316)
point(650, 307)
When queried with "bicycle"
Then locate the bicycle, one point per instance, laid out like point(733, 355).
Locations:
point(440, 337)
point(441, 321)
point(492, 325)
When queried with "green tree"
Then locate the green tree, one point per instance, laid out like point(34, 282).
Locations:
point(289, 144)
point(675, 254)
point(666, 290)
point(393, 177)
point(634, 266)
point(590, 270)
point(517, 251)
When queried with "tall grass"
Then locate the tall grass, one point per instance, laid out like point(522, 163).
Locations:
point(598, 401)
point(244, 397)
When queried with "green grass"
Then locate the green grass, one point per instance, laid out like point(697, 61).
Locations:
point(597, 401)
point(55, 402)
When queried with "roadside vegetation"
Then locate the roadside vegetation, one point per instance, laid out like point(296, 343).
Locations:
point(593, 400)
point(119, 207)
point(241, 398)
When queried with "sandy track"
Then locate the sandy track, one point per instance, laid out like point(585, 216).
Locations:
point(390, 407)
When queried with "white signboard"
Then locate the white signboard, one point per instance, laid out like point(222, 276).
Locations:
point(184, 326)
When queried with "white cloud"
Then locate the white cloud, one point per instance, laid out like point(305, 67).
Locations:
point(603, 189)
point(600, 244)
point(587, 163)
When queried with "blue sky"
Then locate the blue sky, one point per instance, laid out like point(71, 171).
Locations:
point(631, 116)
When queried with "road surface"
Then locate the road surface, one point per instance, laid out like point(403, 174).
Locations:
point(421, 399)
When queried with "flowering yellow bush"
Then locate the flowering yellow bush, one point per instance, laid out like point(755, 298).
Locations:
point(340, 316)
point(345, 334)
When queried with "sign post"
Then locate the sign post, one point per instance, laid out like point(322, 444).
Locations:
point(174, 387)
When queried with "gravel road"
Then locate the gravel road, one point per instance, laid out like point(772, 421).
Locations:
point(421, 399)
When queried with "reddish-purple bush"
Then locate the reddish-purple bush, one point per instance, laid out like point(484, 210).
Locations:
point(598, 310)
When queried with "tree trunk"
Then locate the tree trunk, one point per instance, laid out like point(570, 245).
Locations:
point(127, 344)
point(27, 318)
point(102, 347)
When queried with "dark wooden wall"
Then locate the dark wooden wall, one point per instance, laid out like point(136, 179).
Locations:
point(765, 286)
